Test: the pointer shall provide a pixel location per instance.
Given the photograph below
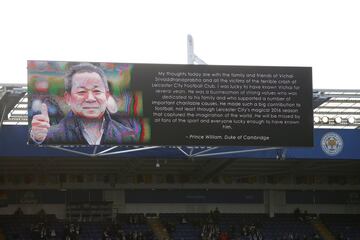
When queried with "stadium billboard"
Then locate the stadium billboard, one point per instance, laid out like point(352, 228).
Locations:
point(82, 103)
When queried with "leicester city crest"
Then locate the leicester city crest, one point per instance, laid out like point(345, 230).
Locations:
point(332, 143)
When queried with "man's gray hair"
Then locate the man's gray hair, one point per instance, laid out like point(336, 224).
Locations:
point(81, 68)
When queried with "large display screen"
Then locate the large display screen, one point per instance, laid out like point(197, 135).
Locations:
point(91, 103)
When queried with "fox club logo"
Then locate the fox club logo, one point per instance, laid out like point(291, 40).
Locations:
point(332, 143)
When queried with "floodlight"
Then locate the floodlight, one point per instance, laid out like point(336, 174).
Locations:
point(338, 120)
point(316, 119)
point(351, 120)
point(325, 119)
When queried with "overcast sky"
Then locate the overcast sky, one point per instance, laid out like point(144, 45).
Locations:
point(321, 34)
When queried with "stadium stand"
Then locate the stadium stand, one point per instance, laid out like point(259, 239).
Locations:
point(163, 194)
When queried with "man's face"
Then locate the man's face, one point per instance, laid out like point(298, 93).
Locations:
point(88, 97)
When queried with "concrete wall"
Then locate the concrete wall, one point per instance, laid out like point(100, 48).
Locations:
point(58, 209)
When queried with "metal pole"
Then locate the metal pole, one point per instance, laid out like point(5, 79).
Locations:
point(2, 116)
point(190, 49)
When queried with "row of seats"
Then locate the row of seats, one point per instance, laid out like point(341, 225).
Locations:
point(189, 226)
point(21, 226)
point(343, 226)
point(239, 226)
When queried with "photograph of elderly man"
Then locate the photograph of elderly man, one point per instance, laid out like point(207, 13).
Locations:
point(89, 120)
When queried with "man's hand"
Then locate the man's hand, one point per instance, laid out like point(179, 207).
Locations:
point(40, 125)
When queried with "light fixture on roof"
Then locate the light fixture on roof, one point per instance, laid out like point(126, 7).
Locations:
point(316, 119)
point(338, 120)
point(157, 163)
point(351, 120)
point(325, 119)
